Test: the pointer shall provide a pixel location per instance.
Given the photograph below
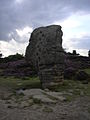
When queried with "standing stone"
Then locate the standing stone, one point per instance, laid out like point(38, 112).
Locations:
point(46, 54)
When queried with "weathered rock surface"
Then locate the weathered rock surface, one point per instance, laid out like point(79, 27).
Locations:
point(43, 96)
point(77, 109)
point(46, 54)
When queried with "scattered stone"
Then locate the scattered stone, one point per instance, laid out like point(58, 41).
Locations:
point(30, 101)
point(19, 92)
point(24, 104)
point(43, 99)
point(47, 109)
point(31, 92)
point(11, 106)
point(46, 90)
point(56, 95)
point(42, 96)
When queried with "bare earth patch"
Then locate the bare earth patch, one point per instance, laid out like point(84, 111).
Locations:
point(37, 104)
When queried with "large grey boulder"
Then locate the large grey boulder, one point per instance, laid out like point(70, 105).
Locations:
point(46, 54)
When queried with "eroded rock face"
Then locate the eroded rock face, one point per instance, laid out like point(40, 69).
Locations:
point(46, 54)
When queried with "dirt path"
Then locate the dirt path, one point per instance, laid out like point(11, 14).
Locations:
point(12, 108)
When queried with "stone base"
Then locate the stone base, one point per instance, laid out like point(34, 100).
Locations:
point(50, 77)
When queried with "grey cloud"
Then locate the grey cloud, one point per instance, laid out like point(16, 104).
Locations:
point(83, 42)
point(81, 5)
point(35, 13)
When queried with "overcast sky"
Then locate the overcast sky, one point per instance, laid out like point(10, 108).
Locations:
point(18, 18)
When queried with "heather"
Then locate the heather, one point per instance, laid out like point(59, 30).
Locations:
point(17, 68)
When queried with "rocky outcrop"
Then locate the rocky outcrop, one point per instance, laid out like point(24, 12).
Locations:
point(18, 68)
point(46, 54)
point(77, 62)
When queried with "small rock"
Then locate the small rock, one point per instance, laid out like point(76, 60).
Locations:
point(24, 104)
point(56, 95)
point(43, 99)
point(46, 90)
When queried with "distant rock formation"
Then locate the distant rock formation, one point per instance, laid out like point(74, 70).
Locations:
point(46, 54)
point(76, 61)
point(89, 53)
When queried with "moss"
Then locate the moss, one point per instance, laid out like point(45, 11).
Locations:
point(69, 98)
point(17, 83)
point(37, 101)
point(89, 109)
point(47, 109)
point(87, 71)
point(30, 102)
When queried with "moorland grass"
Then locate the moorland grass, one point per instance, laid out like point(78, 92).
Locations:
point(76, 88)
point(87, 71)
point(20, 83)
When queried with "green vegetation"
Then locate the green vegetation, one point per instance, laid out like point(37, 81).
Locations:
point(89, 109)
point(47, 109)
point(76, 88)
point(1, 70)
point(11, 58)
point(19, 83)
point(87, 71)
point(37, 101)
point(70, 88)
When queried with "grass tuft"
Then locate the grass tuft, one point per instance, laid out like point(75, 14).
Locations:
point(47, 109)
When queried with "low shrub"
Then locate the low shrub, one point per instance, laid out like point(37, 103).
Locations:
point(69, 73)
point(82, 75)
